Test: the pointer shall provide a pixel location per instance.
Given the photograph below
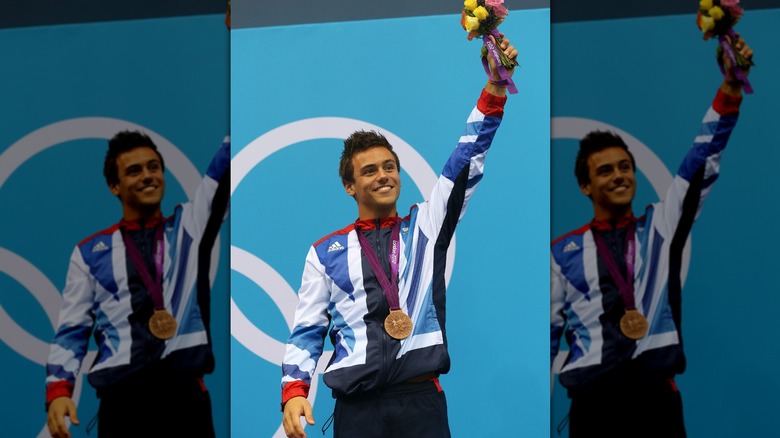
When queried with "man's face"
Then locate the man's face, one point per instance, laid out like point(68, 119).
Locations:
point(377, 183)
point(612, 182)
point(141, 182)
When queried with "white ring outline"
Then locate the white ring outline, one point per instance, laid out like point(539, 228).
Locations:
point(245, 160)
point(20, 152)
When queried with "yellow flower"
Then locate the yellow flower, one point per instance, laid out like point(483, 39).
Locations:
point(481, 13)
point(470, 4)
point(472, 23)
point(707, 23)
point(705, 5)
point(716, 13)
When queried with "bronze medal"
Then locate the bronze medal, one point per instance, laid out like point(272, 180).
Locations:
point(162, 324)
point(398, 325)
point(633, 324)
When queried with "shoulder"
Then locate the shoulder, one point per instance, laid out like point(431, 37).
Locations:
point(342, 232)
point(573, 234)
point(100, 236)
point(569, 244)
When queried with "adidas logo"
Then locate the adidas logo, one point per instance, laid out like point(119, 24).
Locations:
point(335, 247)
point(99, 247)
point(405, 229)
point(571, 246)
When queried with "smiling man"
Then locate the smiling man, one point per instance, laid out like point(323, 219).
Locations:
point(136, 287)
point(378, 285)
point(615, 282)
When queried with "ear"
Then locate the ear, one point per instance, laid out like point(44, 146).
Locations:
point(114, 189)
point(586, 190)
point(349, 188)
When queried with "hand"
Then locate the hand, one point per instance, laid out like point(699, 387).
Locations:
point(511, 53)
point(732, 85)
point(58, 409)
point(294, 409)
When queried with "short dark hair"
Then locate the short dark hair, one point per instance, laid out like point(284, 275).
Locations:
point(596, 141)
point(357, 142)
point(122, 142)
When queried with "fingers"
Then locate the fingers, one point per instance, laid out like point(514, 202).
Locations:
point(56, 418)
point(294, 409)
point(744, 50)
point(309, 414)
point(74, 418)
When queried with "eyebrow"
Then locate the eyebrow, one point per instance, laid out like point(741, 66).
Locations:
point(368, 166)
point(137, 165)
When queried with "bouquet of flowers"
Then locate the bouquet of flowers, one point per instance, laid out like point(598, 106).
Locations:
point(716, 18)
point(481, 18)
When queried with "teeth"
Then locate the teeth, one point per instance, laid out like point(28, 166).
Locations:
point(383, 189)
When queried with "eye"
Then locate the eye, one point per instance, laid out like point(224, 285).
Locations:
point(154, 166)
point(390, 167)
point(625, 167)
point(369, 171)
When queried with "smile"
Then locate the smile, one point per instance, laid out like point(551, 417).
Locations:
point(383, 189)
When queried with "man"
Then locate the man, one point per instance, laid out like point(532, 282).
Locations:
point(142, 288)
point(380, 283)
point(616, 283)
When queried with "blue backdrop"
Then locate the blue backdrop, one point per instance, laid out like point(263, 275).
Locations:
point(65, 90)
point(654, 78)
point(416, 78)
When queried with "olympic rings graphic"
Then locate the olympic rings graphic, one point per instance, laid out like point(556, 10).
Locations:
point(262, 274)
point(32, 279)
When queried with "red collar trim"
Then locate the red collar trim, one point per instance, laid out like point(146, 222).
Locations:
point(607, 224)
point(134, 224)
point(370, 224)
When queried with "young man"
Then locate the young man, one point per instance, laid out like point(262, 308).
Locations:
point(137, 287)
point(380, 283)
point(615, 283)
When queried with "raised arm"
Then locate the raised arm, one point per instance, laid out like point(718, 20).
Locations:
point(195, 215)
point(701, 165)
point(465, 166)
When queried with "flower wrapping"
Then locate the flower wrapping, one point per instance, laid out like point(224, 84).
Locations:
point(481, 18)
point(717, 18)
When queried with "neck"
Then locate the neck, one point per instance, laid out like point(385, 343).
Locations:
point(376, 214)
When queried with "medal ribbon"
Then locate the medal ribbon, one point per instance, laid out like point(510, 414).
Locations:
point(625, 285)
point(492, 51)
point(735, 68)
point(389, 286)
point(153, 286)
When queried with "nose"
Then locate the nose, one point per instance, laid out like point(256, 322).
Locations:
point(146, 174)
point(381, 174)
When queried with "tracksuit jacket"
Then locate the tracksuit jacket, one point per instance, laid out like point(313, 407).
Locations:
point(584, 298)
point(104, 296)
point(338, 286)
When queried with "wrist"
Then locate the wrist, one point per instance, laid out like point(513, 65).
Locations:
point(496, 88)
